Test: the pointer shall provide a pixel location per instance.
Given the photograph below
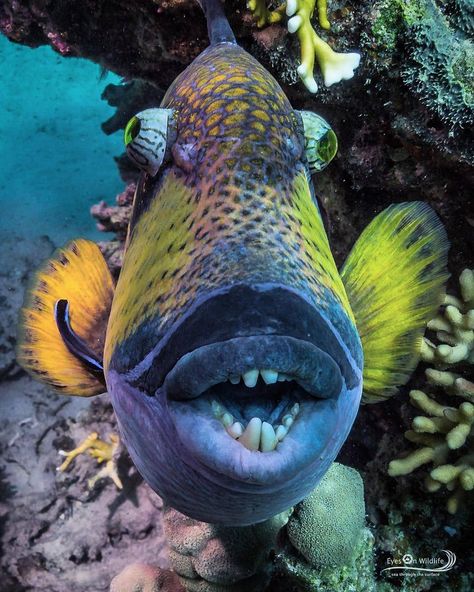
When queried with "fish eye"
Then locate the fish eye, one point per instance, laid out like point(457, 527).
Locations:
point(328, 146)
point(320, 141)
point(132, 130)
point(146, 138)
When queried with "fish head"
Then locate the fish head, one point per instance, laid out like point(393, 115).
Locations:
point(232, 356)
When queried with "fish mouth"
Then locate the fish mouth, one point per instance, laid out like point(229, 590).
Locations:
point(255, 408)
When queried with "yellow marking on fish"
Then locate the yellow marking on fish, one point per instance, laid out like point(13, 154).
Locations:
point(153, 255)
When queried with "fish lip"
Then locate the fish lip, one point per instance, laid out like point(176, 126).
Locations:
point(221, 457)
point(197, 371)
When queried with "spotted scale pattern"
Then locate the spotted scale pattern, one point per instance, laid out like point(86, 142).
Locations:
point(233, 206)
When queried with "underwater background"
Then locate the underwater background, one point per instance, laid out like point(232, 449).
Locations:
point(404, 125)
point(55, 162)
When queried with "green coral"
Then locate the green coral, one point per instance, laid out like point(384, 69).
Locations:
point(326, 525)
point(328, 546)
point(445, 428)
point(357, 574)
point(440, 65)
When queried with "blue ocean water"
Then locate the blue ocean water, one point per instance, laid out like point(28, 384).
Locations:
point(55, 160)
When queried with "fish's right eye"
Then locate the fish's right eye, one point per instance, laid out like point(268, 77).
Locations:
point(146, 138)
point(132, 130)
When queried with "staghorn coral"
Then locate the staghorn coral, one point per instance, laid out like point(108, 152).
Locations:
point(334, 66)
point(445, 428)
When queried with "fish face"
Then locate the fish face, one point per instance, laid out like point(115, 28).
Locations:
point(232, 356)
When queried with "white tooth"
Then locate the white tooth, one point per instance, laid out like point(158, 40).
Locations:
point(227, 419)
point(250, 378)
point(287, 420)
point(235, 430)
point(282, 377)
point(295, 409)
point(217, 408)
point(251, 437)
point(268, 439)
point(234, 379)
point(281, 432)
point(269, 376)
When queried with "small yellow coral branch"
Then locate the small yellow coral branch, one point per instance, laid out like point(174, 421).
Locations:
point(334, 66)
point(102, 451)
point(263, 15)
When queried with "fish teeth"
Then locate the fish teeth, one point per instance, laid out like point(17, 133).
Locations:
point(268, 440)
point(235, 430)
point(227, 419)
point(258, 435)
point(281, 432)
point(251, 436)
point(269, 376)
point(295, 409)
point(250, 378)
point(234, 379)
point(218, 409)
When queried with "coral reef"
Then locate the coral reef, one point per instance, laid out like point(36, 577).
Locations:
point(211, 558)
point(440, 65)
point(140, 577)
point(115, 219)
point(325, 527)
point(320, 545)
point(295, 574)
point(327, 546)
point(445, 429)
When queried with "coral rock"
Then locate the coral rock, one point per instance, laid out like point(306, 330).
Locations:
point(326, 526)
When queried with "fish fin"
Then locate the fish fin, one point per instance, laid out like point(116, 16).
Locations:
point(394, 278)
point(64, 318)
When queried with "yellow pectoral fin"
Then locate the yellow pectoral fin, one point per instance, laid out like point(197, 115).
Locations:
point(394, 279)
point(64, 319)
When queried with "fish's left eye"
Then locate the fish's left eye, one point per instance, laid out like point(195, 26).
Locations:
point(146, 138)
point(320, 141)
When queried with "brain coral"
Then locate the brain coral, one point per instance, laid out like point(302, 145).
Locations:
point(325, 527)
